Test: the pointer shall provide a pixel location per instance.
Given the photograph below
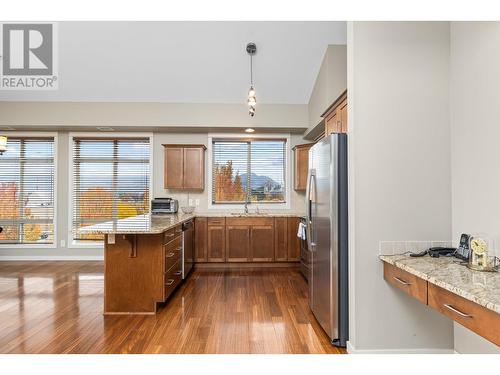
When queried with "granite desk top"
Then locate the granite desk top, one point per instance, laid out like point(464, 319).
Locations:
point(448, 273)
point(154, 224)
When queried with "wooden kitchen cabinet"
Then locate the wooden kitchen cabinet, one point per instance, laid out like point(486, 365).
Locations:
point(293, 241)
point(184, 167)
point(280, 239)
point(262, 243)
point(216, 240)
point(336, 116)
point(301, 165)
point(237, 243)
point(200, 239)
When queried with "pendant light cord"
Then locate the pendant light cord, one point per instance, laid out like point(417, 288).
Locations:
point(251, 70)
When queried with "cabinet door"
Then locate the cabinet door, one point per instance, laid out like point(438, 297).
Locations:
point(200, 239)
point(194, 168)
point(216, 243)
point(237, 243)
point(331, 125)
point(262, 243)
point(293, 240)
point(173, 167)
point(301, 167)
point(280, 239)
point(343, 116)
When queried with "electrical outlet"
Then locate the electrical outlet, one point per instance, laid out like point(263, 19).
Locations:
point(191, 202)
point(63, 243)
point(111, 239)
point(197, 202)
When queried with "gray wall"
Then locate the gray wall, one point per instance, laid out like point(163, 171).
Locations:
point(475, 131)
point(398, 91)
point(330, 83)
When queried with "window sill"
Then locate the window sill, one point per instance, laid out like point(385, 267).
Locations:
point(28, 246)
point(86, 245)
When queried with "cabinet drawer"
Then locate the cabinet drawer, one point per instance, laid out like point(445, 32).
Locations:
point(405, 281)
point(168, 235)
point(173, 278)
point(216, 221)
point(172, 256)
point(250, 221)
point(175, 244)
point(484, 322)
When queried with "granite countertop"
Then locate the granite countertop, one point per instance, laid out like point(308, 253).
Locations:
point(154, 224)
point(448, 273)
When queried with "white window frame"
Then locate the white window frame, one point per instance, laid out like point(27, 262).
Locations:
point(266, 206)
point(54, 218)
point(75, 244)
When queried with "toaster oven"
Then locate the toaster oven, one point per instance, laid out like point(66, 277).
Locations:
point(161, 206)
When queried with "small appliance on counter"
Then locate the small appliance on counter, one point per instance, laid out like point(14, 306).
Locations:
point(162, 206)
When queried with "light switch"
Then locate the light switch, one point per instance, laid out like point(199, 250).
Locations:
point(197, 202)
point(111, 239)
point(63, 243)
point(191, 202)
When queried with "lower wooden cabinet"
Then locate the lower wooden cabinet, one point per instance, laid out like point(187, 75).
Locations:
point(216, 240)
point(280, 239)
point(200, 239)
point(293, 245)
point(405, 281)
point(246, 239)
point(262, 243)
point(237, 243)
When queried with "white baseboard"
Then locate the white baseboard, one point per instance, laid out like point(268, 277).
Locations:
point(4, 258)
point(352, 350)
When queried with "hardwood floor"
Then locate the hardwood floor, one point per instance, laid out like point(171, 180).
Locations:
point(56, 307)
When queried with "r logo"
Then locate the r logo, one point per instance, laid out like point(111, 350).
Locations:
point(27, 49)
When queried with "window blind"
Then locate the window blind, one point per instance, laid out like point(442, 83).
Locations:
point(110, 182)
point(252, 170)
point(27, 191)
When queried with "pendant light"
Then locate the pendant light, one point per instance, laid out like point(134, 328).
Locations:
point(252, 98)
point(3, 144)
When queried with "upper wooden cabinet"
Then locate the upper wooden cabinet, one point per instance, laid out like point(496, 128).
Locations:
point(184, 167)
point(301, 164)
point(336, 116)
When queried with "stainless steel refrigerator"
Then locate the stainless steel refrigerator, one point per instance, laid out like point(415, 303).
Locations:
point(327, 235)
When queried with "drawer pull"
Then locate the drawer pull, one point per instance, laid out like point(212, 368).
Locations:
point(178, 231)
point(401, 281)
point(170, 235)
point(169, 282)
point(170, 255)
point(178, 273)
point(463, 315)
point(179, 248)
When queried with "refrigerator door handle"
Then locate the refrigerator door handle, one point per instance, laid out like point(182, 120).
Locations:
point(310, 201)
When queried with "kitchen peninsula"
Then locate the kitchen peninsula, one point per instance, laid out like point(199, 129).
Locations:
point(144, 255)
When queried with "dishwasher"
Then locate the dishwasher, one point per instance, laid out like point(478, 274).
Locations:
point(187, 247)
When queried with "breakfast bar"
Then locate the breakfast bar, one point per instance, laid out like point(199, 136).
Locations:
point(471, 298)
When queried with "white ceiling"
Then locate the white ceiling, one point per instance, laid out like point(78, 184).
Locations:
point(187, 62)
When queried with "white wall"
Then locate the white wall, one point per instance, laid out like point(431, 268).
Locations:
point(475, 134)
point(399, 146)
point(330, 82)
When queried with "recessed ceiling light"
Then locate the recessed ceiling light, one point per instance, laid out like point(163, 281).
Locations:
point(249, 130)
point(105, 129)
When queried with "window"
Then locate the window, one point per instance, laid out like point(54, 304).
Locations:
point(248, 169)
point(27, 191)
point(110, 181)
